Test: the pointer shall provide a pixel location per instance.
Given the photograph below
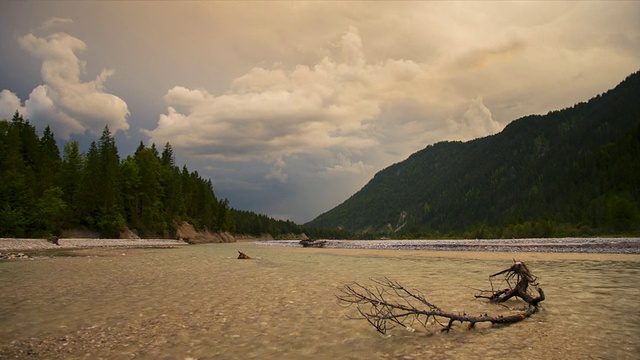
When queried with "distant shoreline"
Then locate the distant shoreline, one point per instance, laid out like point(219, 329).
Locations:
point(550, 245)
point(543, 245)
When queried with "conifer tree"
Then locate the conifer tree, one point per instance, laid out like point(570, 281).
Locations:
point(89, 187)
point(49, 160)
point(149, 192)
point(110, 220)
point(69, 179)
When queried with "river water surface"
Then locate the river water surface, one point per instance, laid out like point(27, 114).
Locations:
point(200, 302)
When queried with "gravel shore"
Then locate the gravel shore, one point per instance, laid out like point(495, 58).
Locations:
point(556, 245)
point(10, 244)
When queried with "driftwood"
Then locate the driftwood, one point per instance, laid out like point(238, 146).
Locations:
point(312, 243)
point(520, 274)
point(53, 239)
point(242, 255)
point(389, 304)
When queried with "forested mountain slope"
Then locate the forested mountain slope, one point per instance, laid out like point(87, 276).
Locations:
point(570, 172)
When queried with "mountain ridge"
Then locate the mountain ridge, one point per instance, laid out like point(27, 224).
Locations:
point(572, 171)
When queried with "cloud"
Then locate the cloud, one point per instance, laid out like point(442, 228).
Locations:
point(479, 58)
point(9, 103)
point(351, 45)
point(66, 102)
point(345, 165)
point(277, 172)
point(476, 122)
point(40, 106)
point(337, 120)
point(273, 114)
point(54, 21)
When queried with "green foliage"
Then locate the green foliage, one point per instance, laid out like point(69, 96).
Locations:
point(568, 173)
point(19, 184)
point(13, 221)
point(71, 168)
point(249, 223)
point(50, 161)
point(50, 212)
point(41, 194)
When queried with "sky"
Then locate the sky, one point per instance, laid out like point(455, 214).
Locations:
point(291, 107)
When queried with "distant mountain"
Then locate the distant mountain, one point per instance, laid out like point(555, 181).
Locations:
point(571, 172)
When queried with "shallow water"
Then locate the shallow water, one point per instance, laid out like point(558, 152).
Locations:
point(201, 302)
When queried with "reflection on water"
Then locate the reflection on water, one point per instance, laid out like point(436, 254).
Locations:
point(201, 302)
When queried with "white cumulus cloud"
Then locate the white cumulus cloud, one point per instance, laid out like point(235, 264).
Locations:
point(65, 102)
point(9, 103)
point(341, 106)
point(476, 122)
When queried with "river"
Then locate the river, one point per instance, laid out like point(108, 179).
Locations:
point(201, 302)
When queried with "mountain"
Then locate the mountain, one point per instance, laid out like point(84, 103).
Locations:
point(570, 172)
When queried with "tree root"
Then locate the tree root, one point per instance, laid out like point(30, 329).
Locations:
point(389, 304)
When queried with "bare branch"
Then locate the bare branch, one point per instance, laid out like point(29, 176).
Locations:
point(389, 304)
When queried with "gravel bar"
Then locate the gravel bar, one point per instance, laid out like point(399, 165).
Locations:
point(10, 244)
point(552, 245)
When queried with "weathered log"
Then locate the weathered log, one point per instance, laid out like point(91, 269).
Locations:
point(312, 243)
point(389, 304)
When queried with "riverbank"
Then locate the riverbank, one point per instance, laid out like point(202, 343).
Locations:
point(10, 244)
point(552, 245)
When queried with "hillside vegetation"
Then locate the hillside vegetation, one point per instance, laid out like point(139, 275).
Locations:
point(571, 172)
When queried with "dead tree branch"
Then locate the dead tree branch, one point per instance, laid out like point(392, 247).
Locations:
point(388, 304)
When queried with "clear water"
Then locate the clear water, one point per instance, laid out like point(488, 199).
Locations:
point(201, 302)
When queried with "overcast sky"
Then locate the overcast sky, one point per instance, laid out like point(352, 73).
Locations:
point(291, 107)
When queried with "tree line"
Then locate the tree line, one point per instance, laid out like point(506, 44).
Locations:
point(43, 192)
